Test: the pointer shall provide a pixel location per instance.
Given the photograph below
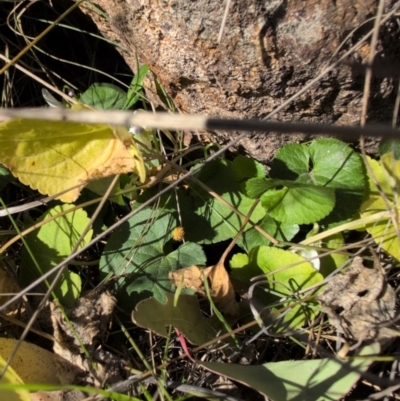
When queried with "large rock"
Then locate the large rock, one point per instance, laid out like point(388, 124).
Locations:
point(269, 50)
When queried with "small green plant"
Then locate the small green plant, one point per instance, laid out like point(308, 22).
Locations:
point(324, 183)
point(321, 182)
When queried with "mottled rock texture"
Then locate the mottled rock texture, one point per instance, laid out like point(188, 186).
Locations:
point(270, 49)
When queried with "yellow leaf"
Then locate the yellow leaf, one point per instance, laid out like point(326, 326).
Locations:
point(387, 174)
point(383, 231)
point(392, 170)
point(379, 174)
point(10, 377)
point(32, 363)
point(52, 156)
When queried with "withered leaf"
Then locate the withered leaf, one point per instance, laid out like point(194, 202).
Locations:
point(89, 318)
point(190, 277)
point(221, 288)
point(58, 395)
point(358, 301)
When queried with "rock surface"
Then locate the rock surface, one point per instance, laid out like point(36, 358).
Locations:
point(268, 52)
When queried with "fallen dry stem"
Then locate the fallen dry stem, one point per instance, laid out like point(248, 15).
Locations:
point(175, 122)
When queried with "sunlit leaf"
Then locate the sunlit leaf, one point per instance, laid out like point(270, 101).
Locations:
point(387, 174)
point(135, 88)
point(324, 180)
point(53, 156)
point(281, 281)
point(299, 205)
point(50, 244)
point(33, 364)
point(104, 96)
point(11, 377)
point(280, 231)
point(331, 262)
point(318, 380)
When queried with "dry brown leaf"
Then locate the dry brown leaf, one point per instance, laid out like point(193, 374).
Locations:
point(190, 277)
point(59, 395)
point(359, 301)
point(90, 317)
point(221, 288)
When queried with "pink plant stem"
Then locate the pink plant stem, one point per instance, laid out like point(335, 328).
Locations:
point(184, 345)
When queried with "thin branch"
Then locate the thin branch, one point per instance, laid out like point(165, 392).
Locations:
point(172, 122)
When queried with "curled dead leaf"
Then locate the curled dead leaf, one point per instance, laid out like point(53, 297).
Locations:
point(221, 288)
point(87, 325)
point(190, 277)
